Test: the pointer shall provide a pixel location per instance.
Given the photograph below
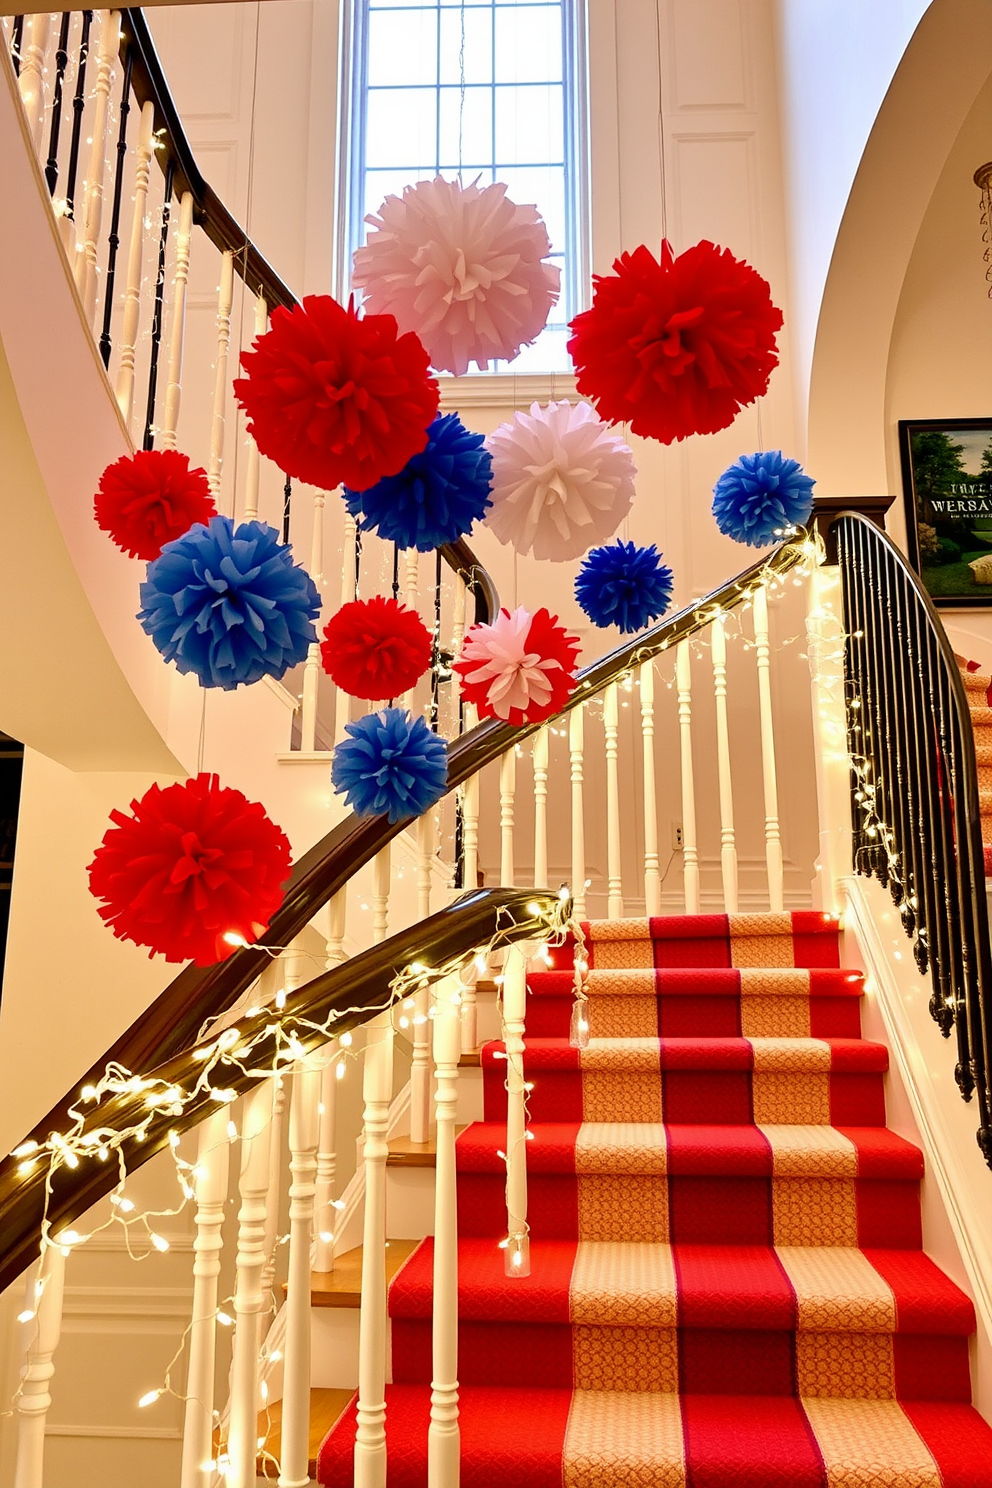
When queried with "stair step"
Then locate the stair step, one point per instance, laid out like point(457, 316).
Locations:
point(403, 1153)
point(531, 1438)
point(342, 1287)
point(326, 1409)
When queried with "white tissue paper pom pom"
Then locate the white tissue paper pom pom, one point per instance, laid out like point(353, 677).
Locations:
point(463, 267)
point(561, 481)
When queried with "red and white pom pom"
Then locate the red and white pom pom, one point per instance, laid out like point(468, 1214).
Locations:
point(562, 482)
point(463, 266)
point(521, 668)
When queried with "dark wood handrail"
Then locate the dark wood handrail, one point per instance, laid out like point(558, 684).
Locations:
point(197, 995)
point(57, 1194)
point(148, 84)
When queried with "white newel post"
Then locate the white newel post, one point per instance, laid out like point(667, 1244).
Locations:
point(218, 420)
point(370, 1438)
point(690, 851)
point(93, 187)
point(210, 1182)
point(443, 1438)
point(773, 836)
point(507, 794)
point(303, 1135)
point(728, 841)
point(517, 1253)
point(253, 462)
point(250, 1301)
point(43, 1299)
point(825, 649)
point(611, 729)
point(168, 438)
point(541, 808)
point(652, 862)
point(575, 752)
point(31, 78)
point(132, 288)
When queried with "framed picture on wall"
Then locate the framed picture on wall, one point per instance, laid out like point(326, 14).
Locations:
point(947, 490)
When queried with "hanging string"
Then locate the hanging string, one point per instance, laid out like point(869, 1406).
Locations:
point(662, 160)
point(244, 252)
point(461, 87)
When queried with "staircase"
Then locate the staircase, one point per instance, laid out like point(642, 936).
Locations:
point(646, 1222)
point(727, 1282)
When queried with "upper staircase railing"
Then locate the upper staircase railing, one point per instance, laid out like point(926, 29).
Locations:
point(914, 788)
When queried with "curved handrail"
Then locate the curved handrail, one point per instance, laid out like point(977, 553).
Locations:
point(197, 995)
point(149, 84)
point(126, 1126)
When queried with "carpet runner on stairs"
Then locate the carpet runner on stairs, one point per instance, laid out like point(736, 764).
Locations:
point(727, 1288)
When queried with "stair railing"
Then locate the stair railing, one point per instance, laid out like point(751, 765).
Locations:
point(100, 115)
point(914, 788)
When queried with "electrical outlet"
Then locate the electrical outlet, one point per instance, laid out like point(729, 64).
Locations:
point(677, 843)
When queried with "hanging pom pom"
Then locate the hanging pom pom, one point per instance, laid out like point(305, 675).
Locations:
point(761, 497)
point(196, 870)
point(437, 495)
point(561, 481)
point(230, 605)
point(520, 668)
point(150, 498)
point(392, 764)
point(625, 586)
point(335, 399)
point(463, 266)
point(375, 648)
point(677, 347)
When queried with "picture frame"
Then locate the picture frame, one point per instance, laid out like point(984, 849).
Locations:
point(947, 495)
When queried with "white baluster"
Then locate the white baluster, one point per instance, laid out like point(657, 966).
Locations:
point(426, 837)
point(690, 851)
point(470, 814)
point(327, 1162)
point(443, 1437)
point(303, 1132)
point(337, 910)
point(380, 894)
point(370, 1437)
point(43, 1298)
point(250, 1302)
point(420, 1070)
point(274, 1194)
point(411, 596)
point(773, 837)
point(728, 846)
point(177, 331)
point(311, 669)
point(218, 423)
point(517, 1251)
point(210, 1182)
point(253, 462)
point(575, 752)
point(469, 1017)
point(652, 862)
point(349, 588)
point(35, 40)
point(541, 808)
point(132, 288)
point(92, 195)
point(507, 792)
point(611, 729)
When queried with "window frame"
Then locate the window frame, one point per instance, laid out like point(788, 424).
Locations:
point(350, 184)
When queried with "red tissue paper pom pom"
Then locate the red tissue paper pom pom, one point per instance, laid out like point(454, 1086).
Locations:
point(677, 347)
point(195, 863)
point(375, 648)
point(151, 498)
point(521, 668)
point(334, 398)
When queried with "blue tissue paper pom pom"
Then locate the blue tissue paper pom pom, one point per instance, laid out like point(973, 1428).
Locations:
point(390, 763)
point(761, 495)
point(229, 604)
point(623, 585)
point(437, 495)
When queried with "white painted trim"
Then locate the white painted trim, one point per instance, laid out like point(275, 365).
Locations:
point(504, 390)
point(117, 1433)
point(967, 1207)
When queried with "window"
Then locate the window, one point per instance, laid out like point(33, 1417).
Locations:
point(493, 89)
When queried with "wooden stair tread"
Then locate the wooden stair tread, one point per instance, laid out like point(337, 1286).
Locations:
point(326, 1408)
point(342, 1287)
point(406, 1154)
